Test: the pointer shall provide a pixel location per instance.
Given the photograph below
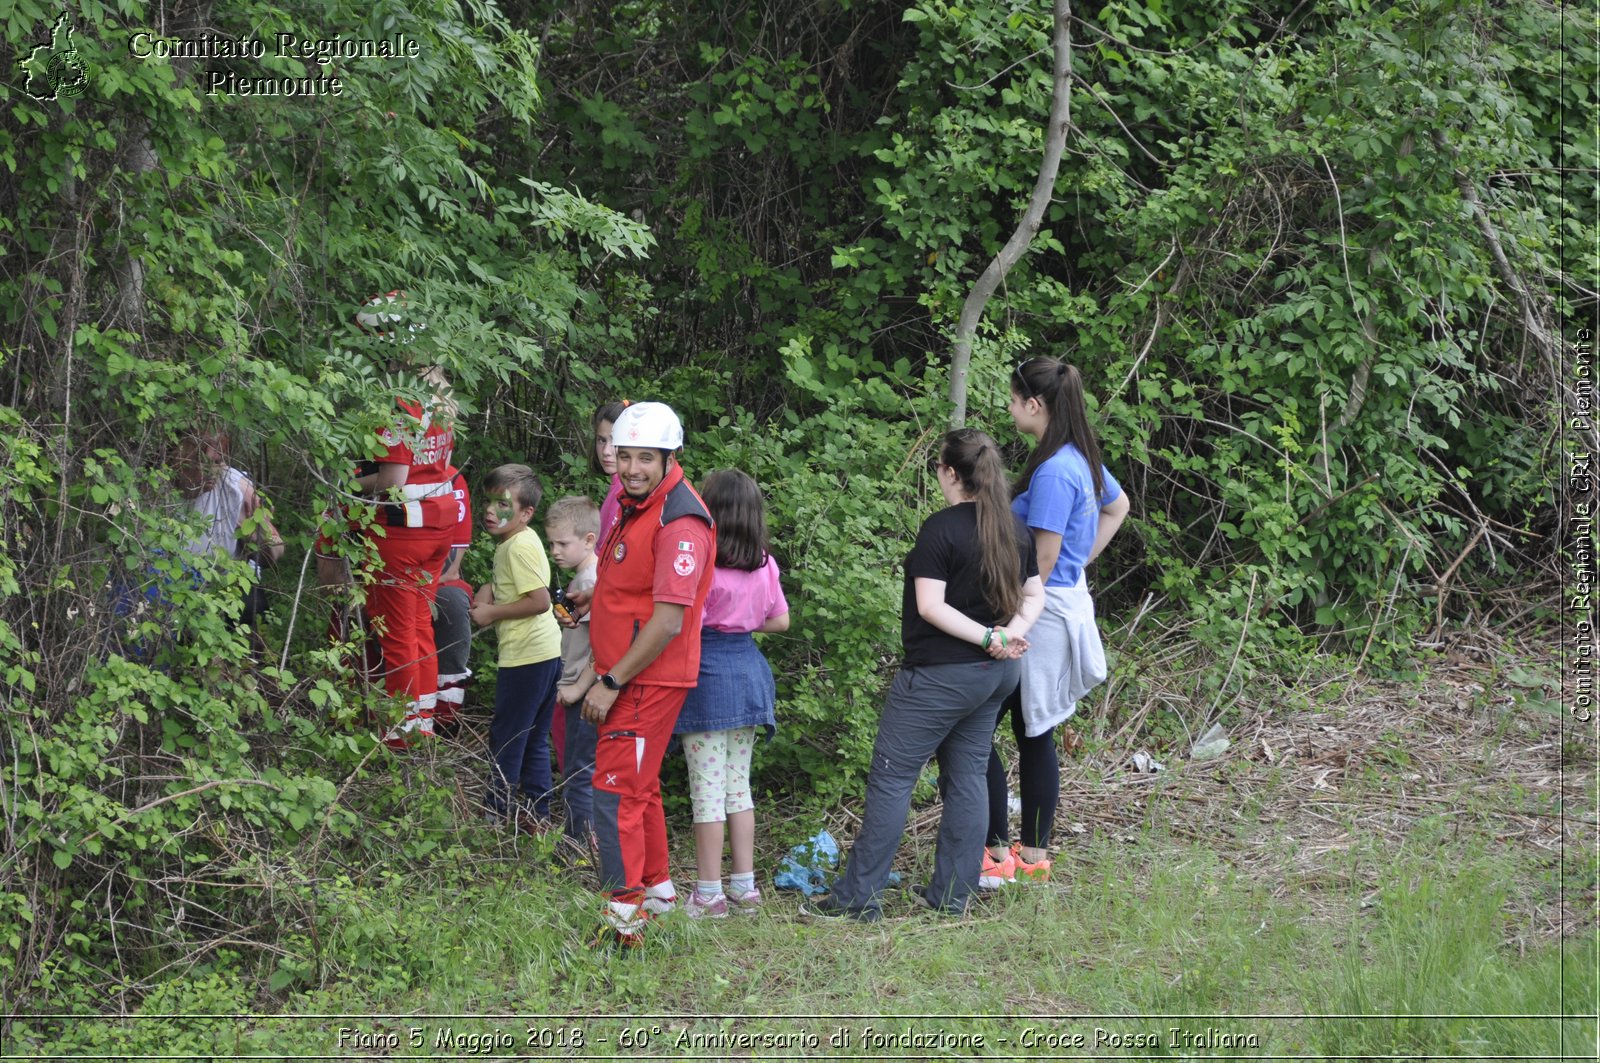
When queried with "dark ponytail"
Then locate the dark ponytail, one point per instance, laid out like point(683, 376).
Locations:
point(975, 460)
point(1060, 388)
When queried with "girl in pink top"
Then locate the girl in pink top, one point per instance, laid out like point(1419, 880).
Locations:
point(604, 461)
point(734, 696)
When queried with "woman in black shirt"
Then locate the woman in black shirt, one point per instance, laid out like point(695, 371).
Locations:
point(972, 590)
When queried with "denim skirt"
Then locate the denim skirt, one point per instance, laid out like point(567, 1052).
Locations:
point(735, 687)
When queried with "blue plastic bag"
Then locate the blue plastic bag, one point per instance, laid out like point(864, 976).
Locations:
point(811, 866)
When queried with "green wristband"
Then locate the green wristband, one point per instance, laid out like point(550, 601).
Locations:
point(988, 635)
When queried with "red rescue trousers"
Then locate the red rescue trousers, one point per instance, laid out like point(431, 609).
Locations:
point(398, 606)
point(629, 822)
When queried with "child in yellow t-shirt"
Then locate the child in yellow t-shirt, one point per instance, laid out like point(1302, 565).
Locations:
point(517, 604)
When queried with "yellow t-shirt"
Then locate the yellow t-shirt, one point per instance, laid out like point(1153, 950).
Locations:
point(519, 567)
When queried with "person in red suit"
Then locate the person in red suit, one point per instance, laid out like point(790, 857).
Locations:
point(650, 592)
point(410, 484)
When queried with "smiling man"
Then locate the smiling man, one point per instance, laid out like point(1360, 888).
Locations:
point(650, 591)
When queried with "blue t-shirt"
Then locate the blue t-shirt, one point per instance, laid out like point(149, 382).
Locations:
point(1060, 498)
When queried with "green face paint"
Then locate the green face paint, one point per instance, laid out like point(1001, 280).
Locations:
point(502, 510)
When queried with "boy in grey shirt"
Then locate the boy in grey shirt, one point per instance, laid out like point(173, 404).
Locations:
point(571, 527)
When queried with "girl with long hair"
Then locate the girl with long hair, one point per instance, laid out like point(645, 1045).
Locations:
point(1072, 506)
point(734, 696)
point(972, 593)
point(603, 460)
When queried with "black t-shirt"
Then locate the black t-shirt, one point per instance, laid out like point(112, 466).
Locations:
point(947, 549)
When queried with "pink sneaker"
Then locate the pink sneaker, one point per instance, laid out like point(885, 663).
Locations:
point(699, 907)
point(747, 903)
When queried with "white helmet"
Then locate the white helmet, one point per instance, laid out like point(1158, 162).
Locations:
point(382, 320)
point(648, 424)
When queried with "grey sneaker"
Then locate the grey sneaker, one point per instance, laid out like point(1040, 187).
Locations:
point(826, 909)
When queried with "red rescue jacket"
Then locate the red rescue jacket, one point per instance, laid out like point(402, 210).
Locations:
point(662, 549)
point(428, 498)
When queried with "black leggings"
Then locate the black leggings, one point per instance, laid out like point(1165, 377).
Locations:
point(1039, 775)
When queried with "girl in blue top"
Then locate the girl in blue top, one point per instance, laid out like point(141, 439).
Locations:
point(1073, 506)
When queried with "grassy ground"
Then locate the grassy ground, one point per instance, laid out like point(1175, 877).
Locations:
point(1384, 871)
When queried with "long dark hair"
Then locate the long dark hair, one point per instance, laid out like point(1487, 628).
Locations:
point(736, 505)
point(608, 411)
point(1060, 388)
point(976, 461)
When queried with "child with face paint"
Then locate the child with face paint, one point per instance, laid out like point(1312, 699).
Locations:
point(517, 604)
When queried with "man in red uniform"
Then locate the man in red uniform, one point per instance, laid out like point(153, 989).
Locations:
point(650, 592)
point(416, 509)
point(418, 512)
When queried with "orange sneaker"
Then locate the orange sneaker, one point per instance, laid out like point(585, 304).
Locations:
point(1036, 872)
point(997, 873)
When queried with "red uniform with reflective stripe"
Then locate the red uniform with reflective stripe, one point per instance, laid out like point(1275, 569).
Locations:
point(428, 496)
point(417, 536)
point(662, 549)
point(460, 533)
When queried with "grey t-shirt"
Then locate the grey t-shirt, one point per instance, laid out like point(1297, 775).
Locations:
point(575, 640)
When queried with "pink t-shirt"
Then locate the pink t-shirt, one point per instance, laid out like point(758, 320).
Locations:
point(610, 509)
point(739, 602)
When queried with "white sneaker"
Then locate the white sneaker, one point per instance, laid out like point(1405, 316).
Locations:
point(625, 918)
point(417, 725)
point(661, 899)
point(622, 924)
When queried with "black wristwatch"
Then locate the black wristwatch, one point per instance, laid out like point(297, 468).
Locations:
point(609, 681)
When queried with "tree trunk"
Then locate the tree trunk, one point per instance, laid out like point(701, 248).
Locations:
point(138, 157)
point(1055, 142)
point(1533, 303)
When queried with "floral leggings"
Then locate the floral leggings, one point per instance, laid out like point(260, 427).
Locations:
point(719, 772)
